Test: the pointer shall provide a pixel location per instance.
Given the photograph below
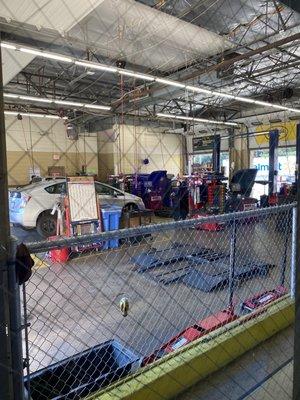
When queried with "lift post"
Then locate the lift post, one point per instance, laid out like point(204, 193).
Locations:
point(216, 153)
point(273, 161)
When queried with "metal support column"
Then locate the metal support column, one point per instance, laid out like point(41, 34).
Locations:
point(296, 380)
point(273, 160)
point(217, 153)
point(231, 152)
point(11, 368)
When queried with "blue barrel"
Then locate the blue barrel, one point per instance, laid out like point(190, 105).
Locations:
point(111, 221)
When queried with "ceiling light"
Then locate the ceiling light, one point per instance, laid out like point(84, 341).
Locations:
point(184, 118)
point(244, 99)
point(68, 103)
point(220, 94)
point(35, 115)
point(52, 56)
point(97, 107)
point(30, 98)
point(8, 46)
point(170, 83)
point(137, 75)
point(14, 96)
point(166, 115)
point(198, 89)
point(61, 102)
point(103, 67)
point(10, 113)
point(54, 117)
point(96, 66)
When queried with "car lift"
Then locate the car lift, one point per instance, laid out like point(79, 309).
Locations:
point(192, 333)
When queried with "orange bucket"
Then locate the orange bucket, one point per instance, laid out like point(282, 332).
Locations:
point(59, 255)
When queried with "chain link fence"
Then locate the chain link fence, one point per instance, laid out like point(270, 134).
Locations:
point(123, 299)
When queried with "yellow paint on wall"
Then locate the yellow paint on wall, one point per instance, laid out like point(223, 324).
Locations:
point(287, 132)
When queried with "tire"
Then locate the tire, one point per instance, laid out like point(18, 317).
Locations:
point(130, 207)
point(46, 224)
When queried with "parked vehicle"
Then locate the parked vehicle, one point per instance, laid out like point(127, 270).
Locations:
point(30, 206)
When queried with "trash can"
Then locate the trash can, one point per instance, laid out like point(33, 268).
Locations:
point(111, 221)
point(82, 374)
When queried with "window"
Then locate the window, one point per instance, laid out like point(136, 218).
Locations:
point(259, 159)
point(104, 190)
point(206, 158)
point(58, 188)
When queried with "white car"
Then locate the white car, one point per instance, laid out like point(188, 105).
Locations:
point(30, 206)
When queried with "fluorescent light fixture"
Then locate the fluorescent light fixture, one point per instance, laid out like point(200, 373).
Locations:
point(244, 99)
point(13, 96)
point(170, 83)
point(60, 102)
point(10, 113)
point(54, 117)
point(136, 75)
point(68, 103)
point(184, 118)
point(51, 56)
point(198, 89)
point(221, 94)
point(166, 115)
point(97, 107)
point(34, 115)
point(8, 46)
point(30, 98)
point(92, 65)
point(102, 67)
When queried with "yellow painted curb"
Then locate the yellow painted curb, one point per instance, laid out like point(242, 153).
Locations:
point(176, 372)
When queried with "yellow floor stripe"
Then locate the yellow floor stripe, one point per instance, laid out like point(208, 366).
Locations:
point(38, 262)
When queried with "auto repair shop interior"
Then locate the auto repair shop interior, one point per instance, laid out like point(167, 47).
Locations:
point(149, 153)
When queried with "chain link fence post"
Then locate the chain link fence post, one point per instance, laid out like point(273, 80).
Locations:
point(293, 252)
point(232, 262)
point(11, 360)
point(296, 380)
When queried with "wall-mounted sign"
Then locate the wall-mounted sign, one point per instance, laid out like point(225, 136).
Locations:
point(203, 143)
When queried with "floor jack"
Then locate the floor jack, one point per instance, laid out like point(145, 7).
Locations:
point(192, 333)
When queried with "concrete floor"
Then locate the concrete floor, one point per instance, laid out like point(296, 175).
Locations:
point(74, 306)
point(251, 377)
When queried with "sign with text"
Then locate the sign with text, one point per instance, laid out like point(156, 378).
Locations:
point(203, 143)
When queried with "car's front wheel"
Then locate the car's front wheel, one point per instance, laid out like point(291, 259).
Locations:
point(46, 224)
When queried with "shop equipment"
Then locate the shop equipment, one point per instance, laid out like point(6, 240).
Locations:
point(262, 299)
point(192, 333)
point(157, 258)
point(153, 188)
point(210, 275)
point(81, 210)
point(240, 187)
point(82, 374)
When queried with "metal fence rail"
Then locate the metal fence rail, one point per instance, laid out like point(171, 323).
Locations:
point(164, 278)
